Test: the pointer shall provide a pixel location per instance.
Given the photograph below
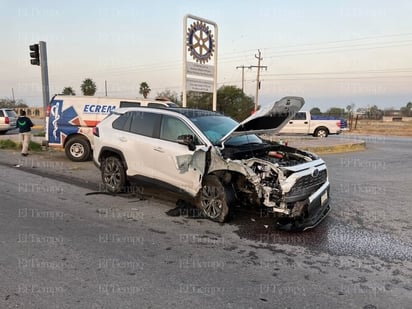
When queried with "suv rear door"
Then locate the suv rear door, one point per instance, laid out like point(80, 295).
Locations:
point(137, 142)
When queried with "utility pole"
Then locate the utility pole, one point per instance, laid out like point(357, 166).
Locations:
point(243, 75)
point(259, 58)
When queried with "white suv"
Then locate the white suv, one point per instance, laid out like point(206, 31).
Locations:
point(215, 160)
point(8, 120)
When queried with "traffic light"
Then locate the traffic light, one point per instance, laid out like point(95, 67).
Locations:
point(34, 54)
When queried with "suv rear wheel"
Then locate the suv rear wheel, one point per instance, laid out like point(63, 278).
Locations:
point(212, 199)
point(113, 174)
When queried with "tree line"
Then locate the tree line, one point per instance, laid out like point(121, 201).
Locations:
point(232, 101)
point(88, 88)
point(369, 112)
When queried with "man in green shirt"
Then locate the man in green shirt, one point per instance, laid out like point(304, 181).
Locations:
point(24, 125)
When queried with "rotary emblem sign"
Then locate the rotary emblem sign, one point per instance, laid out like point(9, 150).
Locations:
point(200, 42)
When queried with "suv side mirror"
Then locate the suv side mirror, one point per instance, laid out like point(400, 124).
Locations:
point(187, 140)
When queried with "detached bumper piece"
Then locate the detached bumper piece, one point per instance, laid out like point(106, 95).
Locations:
point(317, 209)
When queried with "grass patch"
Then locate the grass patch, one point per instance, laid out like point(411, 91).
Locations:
point(42, 134)
point(9, 144)
point(33, 146)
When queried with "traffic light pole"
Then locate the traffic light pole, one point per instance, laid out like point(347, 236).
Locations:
point(44, 74)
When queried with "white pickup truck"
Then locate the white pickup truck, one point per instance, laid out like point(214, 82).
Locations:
point(318, 126)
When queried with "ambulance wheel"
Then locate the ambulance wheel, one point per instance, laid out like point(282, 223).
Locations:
point(78, 149)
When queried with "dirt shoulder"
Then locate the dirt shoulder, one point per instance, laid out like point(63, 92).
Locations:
point(378, 127)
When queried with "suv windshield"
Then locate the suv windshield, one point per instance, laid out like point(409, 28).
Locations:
point(215, 127)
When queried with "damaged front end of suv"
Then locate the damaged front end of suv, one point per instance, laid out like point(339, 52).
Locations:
point(289, 183)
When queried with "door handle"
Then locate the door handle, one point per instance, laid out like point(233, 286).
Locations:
point(290, 122)
point(305, 122)
point(159, 149)
point(122, 139)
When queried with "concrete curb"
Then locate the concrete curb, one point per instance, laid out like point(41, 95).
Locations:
point(320, 145)
point(337, 148)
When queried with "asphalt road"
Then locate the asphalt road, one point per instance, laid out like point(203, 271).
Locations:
point(62, 246)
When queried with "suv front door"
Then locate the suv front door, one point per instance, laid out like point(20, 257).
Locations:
point(172, 160)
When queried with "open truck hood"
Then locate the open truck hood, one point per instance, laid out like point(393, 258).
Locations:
point(268, 119)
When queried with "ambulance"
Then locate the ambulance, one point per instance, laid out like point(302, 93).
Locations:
point(70, 120)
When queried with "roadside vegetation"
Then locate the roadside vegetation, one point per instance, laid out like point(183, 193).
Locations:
point(9, 144)
point(42, 134)
point(379, 127)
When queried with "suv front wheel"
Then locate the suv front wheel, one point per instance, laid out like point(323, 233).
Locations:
point(212, 199)
point(113, 174)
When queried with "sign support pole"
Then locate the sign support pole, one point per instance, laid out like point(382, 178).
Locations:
point(44, 74)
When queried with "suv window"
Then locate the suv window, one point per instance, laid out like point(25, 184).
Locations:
point(123, 122)
point(158, 105)
point(129, 104)
point(11, 113)
point(144, 123)
point(171, 128)
point(1, 113)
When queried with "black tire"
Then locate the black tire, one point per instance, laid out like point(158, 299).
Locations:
point(113, 174)
point(321, 132)
point(78, 149)
point(3, 132)
point(212, 199)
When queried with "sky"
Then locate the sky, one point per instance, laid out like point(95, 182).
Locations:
point(332, 53)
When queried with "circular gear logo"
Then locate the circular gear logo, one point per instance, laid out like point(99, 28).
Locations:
point(200, 42)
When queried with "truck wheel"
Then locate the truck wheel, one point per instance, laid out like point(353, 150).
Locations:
point(78, 149)
point(321, 132)
point(113, 174)
point(212, 199)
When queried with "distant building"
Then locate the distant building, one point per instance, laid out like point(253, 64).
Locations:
point(34, 112)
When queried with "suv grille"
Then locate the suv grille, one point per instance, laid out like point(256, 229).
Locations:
point(306, 185)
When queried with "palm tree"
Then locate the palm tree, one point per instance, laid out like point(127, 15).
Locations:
point(144, 89)
point(88, 87)
point(68, 91)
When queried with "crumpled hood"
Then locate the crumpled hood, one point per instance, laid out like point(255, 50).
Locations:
point(269, 119)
